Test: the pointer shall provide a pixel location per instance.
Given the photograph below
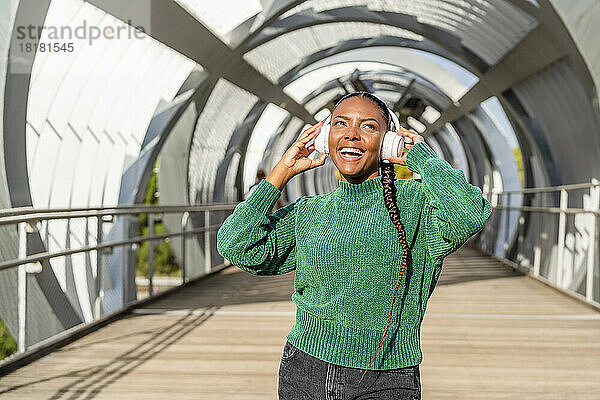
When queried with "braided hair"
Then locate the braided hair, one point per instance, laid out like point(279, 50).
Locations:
point(388, 176)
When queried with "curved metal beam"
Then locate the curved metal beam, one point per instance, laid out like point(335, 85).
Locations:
point(383, 41)
point(547, 43)
point(443, 39)
point(173, 26)
point(431, 87)
point(439, 99)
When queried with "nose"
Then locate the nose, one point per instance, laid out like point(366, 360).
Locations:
point(351, 132)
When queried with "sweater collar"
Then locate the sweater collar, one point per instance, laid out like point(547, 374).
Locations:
point(360, 190)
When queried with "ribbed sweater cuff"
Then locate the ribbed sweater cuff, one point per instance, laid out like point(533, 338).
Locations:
point(264, 196)
point(418, 154)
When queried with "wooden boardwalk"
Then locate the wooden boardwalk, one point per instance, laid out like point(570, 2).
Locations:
point(489, 333)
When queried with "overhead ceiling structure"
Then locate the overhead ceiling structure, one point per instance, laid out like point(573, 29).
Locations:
point(505, 90)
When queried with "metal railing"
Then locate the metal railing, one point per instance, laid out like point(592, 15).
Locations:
point(515, 241)
point(560, 254)
point(28, 220)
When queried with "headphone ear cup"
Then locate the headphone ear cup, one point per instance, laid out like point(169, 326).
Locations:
point(392, 146)
point(322, 139)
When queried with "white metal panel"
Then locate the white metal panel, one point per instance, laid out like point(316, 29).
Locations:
point(221, 17)
point(32, 139)
point(48, 70)
point(266, 126)
point(99, 174)
point(64, 170)
point(97, 66)
point(114, 170)
point(318, 73)
point(43, 164)
point(407, 59)
point(225, 109)
point(83, 178)
point(488, 28)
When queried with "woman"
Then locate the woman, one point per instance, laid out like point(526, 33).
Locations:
point(355, 250)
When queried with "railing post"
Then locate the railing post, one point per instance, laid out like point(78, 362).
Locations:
point(506, 223)
point(150, 254)
point(22, 270)
point(207, 258)
point(537, 249)
point(562, 227)
point(494, 198)
point(184, 220)
point(22, 290)
point(595, 200)
point(129, 257)
point(99, 239)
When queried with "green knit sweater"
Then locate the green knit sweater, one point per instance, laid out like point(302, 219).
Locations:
point(347, 257)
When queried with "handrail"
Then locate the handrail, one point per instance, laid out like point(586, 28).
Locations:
point(551, 210)
point(137, 239)
point(27, 209)
point(559, 267)
point(574, 186)
point(28, 217)
point(11, 217)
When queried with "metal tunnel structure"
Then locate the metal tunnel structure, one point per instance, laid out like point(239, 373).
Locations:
point(210, 92)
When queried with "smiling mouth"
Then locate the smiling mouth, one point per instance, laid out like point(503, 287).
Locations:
point(351, 154)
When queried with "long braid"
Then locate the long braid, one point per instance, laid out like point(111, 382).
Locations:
point(388, 176)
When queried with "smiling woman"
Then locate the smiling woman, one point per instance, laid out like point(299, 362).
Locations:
point(351, 248)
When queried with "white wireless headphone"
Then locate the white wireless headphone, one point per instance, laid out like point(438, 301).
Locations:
point(392, 146)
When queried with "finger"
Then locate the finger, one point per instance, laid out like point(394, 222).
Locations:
point(310, 135)
point(393, 160)
point(406, 132)
point(310, 129)
point(416, 137)
point(319, 161)
point(307, 132)
point(397, 160)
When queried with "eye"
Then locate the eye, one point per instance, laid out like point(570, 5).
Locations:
point(338, 121)
point(370, 126)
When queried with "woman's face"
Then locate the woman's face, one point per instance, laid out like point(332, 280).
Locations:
point(357, 129)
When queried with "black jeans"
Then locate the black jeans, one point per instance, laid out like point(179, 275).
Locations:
point(304, 377)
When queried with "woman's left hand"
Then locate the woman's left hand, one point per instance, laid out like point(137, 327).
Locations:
point(407, 134)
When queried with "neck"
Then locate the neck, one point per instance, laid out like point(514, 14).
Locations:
point(360, 179)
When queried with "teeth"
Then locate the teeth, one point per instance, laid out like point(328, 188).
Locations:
point(352, 150)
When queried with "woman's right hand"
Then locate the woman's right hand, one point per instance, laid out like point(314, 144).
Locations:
point(295, 160)
point(296, 157)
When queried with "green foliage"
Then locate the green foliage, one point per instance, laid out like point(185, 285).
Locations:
point(8, 345)
point(402, 172)
point(164, 259)
point(519, 159)
point(150, 196)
